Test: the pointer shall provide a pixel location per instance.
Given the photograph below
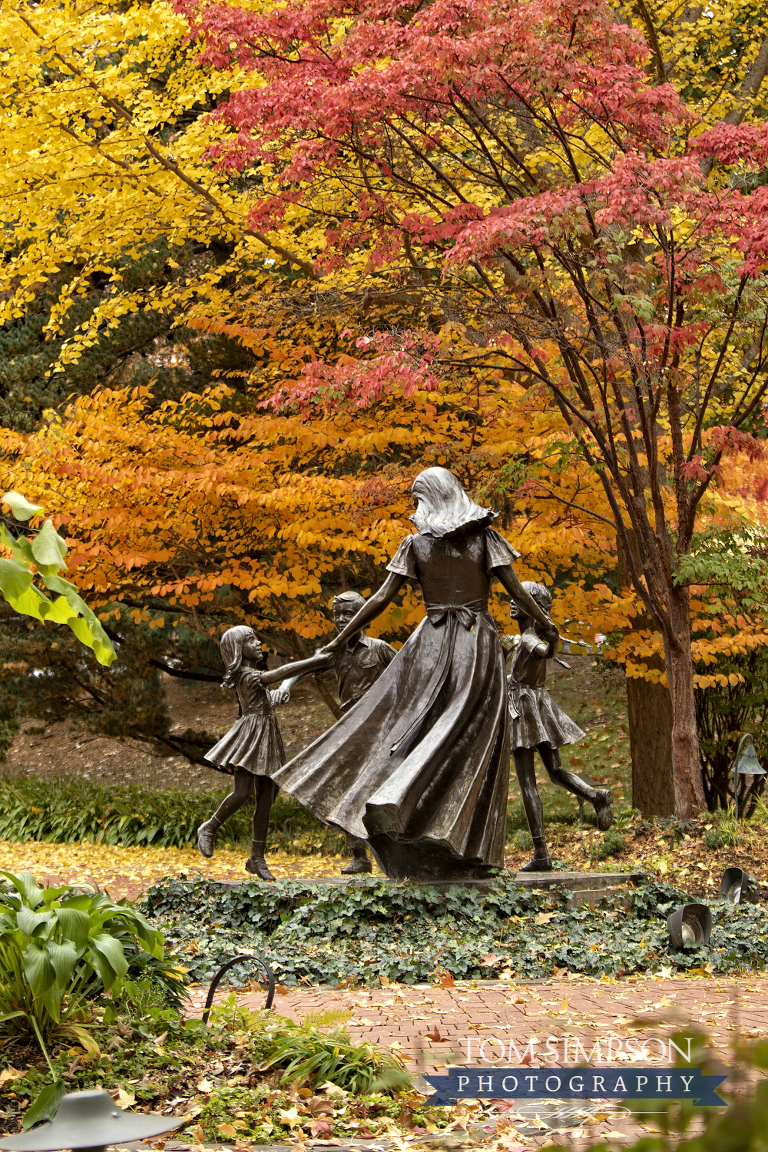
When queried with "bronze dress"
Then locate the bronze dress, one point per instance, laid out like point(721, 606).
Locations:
point(419, 768)
point(535, 717)
point(254, 741)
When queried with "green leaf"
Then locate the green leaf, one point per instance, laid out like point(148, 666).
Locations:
point(20, 547)
point(63, 957)
point(48, 548)
point(17, 588)
point(75, 925)
point(15, 578)
point(60, 611)
point(87, 626)
point(151, 938)
point(110, 950)
point(20, 507)
point(26, 884)
point(52, 1000)
point(102, 649)
point(38, 969)
point(11, 1016)
point(29, 922)
point(46, 1105)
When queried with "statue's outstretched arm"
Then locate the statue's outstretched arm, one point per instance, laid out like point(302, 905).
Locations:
point(372, 608)
point(300, 668)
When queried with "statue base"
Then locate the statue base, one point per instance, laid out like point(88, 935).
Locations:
point(585, 887)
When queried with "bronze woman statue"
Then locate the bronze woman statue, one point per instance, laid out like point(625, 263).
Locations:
point(419, 767)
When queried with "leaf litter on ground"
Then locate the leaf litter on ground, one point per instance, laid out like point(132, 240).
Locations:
point(130, 871)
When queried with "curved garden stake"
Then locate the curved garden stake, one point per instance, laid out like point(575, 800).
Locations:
point(230, 964)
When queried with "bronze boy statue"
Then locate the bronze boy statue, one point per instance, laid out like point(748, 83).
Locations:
point(537, 722)
point(358, 666)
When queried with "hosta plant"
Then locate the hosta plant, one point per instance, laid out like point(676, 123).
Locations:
point(58, 948)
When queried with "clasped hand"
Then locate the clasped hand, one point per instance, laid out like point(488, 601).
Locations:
point(551, 630)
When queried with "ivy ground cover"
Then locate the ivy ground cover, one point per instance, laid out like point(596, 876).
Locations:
point(371, 932)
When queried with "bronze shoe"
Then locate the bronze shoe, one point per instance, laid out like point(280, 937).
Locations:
point(257, 865)
point(206, 834)
point(358, 866)
point(538, 864)
point(602, 804)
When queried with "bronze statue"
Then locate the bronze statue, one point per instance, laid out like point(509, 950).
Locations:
point(419, 766)
point(251, 751)
point(537, 722)
point(358, 666)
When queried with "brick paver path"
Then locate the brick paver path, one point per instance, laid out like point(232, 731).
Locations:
point(631, 1020)
point(405, 1017)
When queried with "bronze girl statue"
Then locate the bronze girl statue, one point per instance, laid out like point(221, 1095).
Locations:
point(358, 666)
point(252, 750)
point(539, 724)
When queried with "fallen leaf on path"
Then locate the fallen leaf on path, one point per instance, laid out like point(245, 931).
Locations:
point(130, 871)
point(320, 1127)
point(123, 1099)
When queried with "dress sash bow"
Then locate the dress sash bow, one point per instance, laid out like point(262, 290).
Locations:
point(466, 614)
point(453, 615)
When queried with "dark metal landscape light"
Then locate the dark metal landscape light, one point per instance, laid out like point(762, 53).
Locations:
point(90, 1121)
point(735, 886)
point(690, 925)
point(747, 764)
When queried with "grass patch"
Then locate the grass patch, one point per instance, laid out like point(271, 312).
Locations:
point(250, 1074)
point(69, 810)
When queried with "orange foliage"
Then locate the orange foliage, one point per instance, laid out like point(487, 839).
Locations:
point(218, 514)
point(264, 516)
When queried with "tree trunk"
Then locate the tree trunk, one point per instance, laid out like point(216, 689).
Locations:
point(649, 710)
point(686, 766)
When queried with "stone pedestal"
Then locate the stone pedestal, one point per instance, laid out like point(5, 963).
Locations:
point(586, 887)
